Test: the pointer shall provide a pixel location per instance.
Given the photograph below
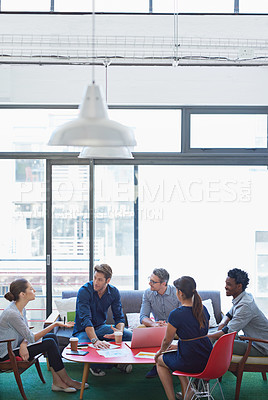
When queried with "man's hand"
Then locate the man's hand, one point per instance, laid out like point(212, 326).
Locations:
point(101, 344)
point(23, 352)
point(161, 323)
point(111, 335)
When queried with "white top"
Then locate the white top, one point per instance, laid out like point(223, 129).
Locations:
point(13, 325)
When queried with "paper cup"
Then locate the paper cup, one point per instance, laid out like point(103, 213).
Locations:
point(118, 337)
point(74, 343)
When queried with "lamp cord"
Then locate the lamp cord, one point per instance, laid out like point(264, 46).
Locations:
point(176, 31)
point(93, 42)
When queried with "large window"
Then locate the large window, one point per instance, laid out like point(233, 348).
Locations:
point(175, 207)
point(22, 233)
point(70, 227)
point(114, 222)
point(202, 221)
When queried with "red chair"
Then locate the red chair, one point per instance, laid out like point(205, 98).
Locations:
point(217, 365)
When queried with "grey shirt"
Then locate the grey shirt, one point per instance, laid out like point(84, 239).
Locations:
point(13, 325)
point(159, 305)
point(246, 316)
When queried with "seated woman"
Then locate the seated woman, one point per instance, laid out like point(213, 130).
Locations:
point(190, 322)
point(14, 325)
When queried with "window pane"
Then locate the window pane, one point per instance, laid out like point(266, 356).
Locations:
point(114, 222)
point(228, 131)
point(70, 227)
point(194, 6)
point(102, 6)
point(256, 6)
point(202, 221)
point(28, 130)
point(155, 130)
point(25, 5)
point(22, 237)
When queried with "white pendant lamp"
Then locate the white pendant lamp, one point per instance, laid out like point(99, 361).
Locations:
point(93, 128)
point(106, 152)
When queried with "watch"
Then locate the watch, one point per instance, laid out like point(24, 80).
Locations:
point(94, 340)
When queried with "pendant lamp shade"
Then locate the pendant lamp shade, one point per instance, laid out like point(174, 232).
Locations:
point(93, 126)
point(106, 152)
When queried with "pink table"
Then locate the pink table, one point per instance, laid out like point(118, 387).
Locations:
point(94, 358)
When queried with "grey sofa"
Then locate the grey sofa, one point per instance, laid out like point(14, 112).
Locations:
point(131, 303)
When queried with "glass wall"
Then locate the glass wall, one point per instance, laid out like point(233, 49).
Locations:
point(114, 222)
point(22, 233)
point(203, 221)
point(70, 227)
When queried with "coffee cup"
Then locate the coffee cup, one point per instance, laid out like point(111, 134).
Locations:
point(74, 343)
point(118, 336)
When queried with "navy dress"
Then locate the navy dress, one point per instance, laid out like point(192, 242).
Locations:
point(192, 355)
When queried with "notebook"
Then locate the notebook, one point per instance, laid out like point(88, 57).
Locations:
point(147, 337)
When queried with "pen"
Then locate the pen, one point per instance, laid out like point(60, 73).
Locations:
point(64, 318)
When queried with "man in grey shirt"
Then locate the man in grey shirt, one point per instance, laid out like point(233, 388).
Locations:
point(244, 315)
point(160, 299)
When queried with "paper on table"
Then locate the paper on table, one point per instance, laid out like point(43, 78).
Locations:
point(113, 353)
point(145, 354)
point(112, 346)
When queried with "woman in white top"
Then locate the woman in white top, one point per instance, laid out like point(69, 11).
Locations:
point(14, 325)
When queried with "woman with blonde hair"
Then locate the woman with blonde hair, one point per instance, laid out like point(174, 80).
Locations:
point(190, 322)
point(14, 325)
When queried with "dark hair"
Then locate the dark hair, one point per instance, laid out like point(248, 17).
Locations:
point(104, 269)
point(162, 274)
point(187, 285)
point(15, 288)
point(239, 276)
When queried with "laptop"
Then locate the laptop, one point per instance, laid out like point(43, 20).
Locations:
point(147, 337)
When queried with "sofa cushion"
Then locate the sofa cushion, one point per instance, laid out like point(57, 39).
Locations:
point(66, 307)
point(208, 304)
point(215, 297)
point(133, 320)
point(251, 360)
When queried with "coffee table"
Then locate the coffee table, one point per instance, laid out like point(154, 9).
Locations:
point(94, 358)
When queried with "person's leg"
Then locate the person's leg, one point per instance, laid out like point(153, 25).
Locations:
point(240, 347)
point(96, 369)
point(166, 378)
point(83, 337)
point(127, 335)
point(49, 345)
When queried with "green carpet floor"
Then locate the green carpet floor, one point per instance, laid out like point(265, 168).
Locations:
point(116, 386)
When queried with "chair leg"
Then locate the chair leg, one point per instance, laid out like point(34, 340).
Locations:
point(37, 365)
point(221, 388)
point(264, 377)
point(19, 382)
point(238, 383)
point(48, 366)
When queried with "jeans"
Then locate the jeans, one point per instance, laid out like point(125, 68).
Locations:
point(100, 332)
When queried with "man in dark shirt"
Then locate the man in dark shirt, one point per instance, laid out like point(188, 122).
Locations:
point(93, 300)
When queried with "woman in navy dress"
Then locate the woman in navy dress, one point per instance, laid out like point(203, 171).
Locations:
point(190, 322)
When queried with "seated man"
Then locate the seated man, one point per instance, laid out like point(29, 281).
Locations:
point(244, 315)
point(160, 299)
point(93, 300)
